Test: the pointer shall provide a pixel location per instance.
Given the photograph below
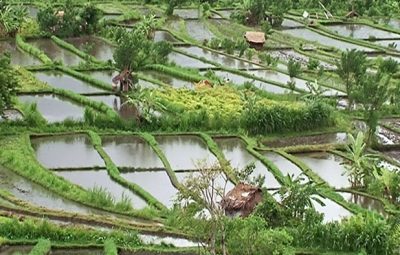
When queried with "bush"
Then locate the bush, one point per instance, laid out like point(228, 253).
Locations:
point(294, 68)
point(69, 20)
point(369, 233)
point(251, 236)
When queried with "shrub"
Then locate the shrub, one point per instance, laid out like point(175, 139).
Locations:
point(294, 68)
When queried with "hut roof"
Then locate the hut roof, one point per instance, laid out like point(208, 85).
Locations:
point(255, 37)
point(239, 197)
point(125, 74)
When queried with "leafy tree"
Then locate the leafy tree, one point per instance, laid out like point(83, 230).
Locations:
point(207, 187)
point(69, 20)
point(135, 51)
point(172, 4)
point(350, 68)
point(372, 92)
point(389, 181)
point(9, 83)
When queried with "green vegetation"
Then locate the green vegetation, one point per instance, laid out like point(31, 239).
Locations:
point(291, 216)
point(9, 83)
point(68, 19)
point(110, 248)
point(41, 248)
point(11, 19)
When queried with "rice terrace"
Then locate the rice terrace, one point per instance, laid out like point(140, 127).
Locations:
point(184, 127)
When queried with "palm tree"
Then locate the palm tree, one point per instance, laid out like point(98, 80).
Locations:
point(359, 165)
point(350, 68)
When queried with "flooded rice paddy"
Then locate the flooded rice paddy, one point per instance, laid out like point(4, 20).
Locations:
point(90, 179)
point(332, 138)
point(55, 52)
point(54, 108)
point(66, 151)
point(185, 152)
point(309, 35)
point(64, 81)
point(131, 151)
point(18, 57)
point(361, 31)
point(327, 166)
point(221, 59)
point(93, 46)
point(198, 30)
point(186, 61)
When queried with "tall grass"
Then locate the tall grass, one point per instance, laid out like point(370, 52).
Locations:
point(41, 248)
point(178, 72)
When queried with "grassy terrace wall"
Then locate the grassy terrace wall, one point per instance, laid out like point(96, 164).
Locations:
point(33, 50)
point(74, 50)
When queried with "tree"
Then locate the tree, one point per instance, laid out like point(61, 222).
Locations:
point(372, 92)
point(135, 51)
point(9, 83)
point(359, 166)
point(350, 68)
point(207, 187)
point(294, 68)
point(171, 4)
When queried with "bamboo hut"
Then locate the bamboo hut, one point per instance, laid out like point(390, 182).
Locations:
point(241, 200)
point(255, 39)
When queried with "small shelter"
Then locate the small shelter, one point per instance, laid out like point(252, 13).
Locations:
point(125, 80)
point(255, 39)
point(241, 200)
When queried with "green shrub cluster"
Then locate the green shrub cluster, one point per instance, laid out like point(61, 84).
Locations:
point(369, 233)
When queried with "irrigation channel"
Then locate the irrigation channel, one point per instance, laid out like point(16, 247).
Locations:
point(50, 175)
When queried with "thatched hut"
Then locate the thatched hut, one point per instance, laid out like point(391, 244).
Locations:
point(255, 39)
point(125, 79)
point(241, 200)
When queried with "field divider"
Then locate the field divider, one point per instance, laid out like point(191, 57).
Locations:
point(150, 139)
point(224, 163)
point(114, 173)
point(265, 161)
point(42, 247)
point(26, 47)
point(73, 49)
point(86, 78)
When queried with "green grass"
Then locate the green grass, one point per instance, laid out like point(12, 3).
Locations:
point(41, 248)
point(110, 248)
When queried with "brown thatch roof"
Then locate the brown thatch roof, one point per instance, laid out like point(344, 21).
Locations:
point(255, 37)
point(122, 76)
point(240, 197)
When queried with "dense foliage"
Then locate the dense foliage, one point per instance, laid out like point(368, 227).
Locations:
point(69, 20)
point(11, 18)
point(9, 83)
